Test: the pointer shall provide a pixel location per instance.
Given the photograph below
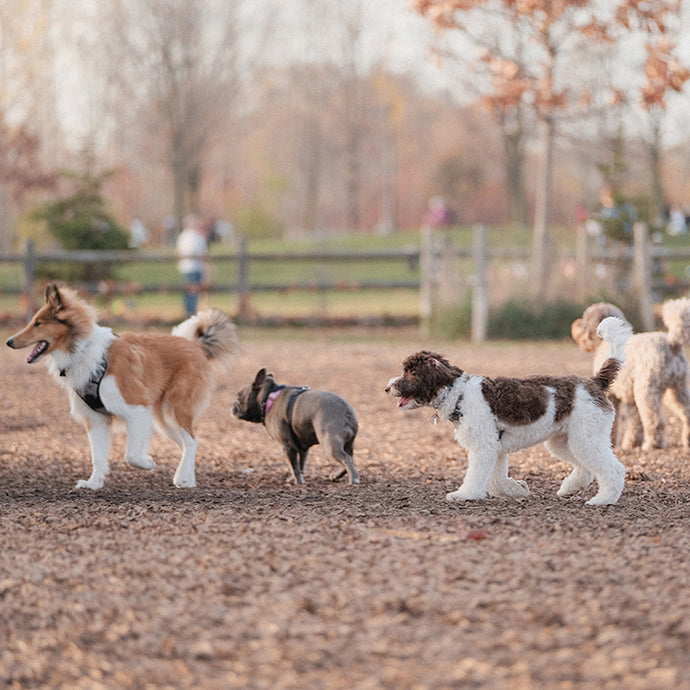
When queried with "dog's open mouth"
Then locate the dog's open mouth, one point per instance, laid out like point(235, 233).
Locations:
point(402, 402)
point(40, 348)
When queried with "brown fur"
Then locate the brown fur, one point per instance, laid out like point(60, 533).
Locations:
point(424, 374)
point(62, 321)
point(157, 370)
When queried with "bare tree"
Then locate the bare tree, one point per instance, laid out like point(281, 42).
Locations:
point(27, 107)
point(174, 66)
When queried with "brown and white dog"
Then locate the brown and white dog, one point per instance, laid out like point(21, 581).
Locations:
point(494, 417)
point(142, 379)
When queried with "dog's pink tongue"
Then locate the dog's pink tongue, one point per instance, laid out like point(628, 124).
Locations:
point(36, 352)
point(403, 401)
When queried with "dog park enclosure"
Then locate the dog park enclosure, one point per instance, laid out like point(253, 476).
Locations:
point(249, 582)
point(435, 274)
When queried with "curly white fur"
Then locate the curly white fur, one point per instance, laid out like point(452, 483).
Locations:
point(656, 368)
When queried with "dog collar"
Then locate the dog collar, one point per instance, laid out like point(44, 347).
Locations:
point(448, 402)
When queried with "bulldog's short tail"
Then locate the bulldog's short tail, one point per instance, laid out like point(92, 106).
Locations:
point(616, 333)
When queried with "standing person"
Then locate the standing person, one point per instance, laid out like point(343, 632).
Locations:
point(192, 248)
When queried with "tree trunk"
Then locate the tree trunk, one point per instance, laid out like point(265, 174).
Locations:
point(541, 243)
point(352, 183)
point(514, 160)
point(658, 201)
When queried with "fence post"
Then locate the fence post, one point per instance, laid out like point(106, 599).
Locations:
point(642, 268)
point(480, 289)
point(242, 280)
point(27, 299)
point(428, 278)
point(582, 272)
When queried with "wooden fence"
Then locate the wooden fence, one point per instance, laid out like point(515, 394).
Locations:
point(437, 270)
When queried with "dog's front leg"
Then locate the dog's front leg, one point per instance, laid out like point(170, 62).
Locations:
point(480, 469)
point(297, 461)
point(98, 430)
point(504, 485)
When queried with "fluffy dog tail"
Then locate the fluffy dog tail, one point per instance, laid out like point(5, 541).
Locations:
point(215, 332)
point(676, 317)
point(616, 333)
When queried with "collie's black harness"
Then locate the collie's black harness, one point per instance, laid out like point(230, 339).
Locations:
point(91, 392)
point(268, 403)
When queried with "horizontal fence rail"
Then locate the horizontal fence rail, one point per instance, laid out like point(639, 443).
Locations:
point(430, 269)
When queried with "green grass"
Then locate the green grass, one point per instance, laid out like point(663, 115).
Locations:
point(298, 303)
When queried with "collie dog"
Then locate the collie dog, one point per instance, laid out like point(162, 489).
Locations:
point(494, 417)
point(142, 379)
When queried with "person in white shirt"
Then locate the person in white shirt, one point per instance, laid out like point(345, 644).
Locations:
point(192, 248)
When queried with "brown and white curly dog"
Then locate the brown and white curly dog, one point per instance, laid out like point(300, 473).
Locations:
point(655, 364)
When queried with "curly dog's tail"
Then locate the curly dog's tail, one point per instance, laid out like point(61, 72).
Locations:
point(676, 317)
point(616, 333)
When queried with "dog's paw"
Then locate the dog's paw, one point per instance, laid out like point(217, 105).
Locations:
point(184, 482)
point(517, 488)
point(602, 501)
point(512, 488)
point(463, 495)
point(93, 483)
point(145, 463)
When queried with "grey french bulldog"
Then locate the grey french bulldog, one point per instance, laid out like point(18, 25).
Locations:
point(298, 418)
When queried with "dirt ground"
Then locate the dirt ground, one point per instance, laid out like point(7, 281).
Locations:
point(250, 582)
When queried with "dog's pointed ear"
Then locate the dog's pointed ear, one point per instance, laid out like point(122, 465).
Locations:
point(53, 297)
point(259, 378)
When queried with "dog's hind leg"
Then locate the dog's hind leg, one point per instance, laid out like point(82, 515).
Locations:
point(98, 429)
point(679, 401)
point(504, 485)
point(594, 455)
point(342, 453)
point(628, 421)
point(184, 477)
point(139, 429)
point(649, 403)
point(579, 478)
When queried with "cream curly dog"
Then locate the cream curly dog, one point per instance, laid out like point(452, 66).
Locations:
point(655, 364)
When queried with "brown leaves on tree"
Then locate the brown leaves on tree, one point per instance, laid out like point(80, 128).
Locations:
point(19, 161)
point(663, 69)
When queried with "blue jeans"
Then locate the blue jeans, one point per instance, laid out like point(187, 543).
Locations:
point(192, 281)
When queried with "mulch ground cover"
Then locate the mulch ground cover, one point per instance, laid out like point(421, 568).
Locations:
point(248, 581)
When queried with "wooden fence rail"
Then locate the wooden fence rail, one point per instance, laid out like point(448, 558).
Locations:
point(432, 269)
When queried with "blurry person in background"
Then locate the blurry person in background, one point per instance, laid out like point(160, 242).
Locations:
point(192, 248)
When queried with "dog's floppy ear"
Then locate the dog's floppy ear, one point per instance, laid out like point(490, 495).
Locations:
point(576, 330)
point(259, 379)
point(53, 297)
